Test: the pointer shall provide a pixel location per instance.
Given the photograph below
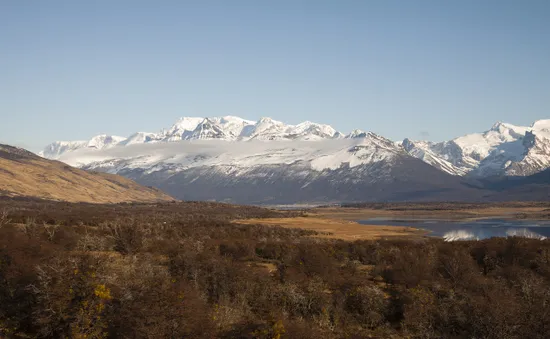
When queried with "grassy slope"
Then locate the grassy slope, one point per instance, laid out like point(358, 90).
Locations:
point(25, 174)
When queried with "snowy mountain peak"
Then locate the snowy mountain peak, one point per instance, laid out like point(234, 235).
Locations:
point(408, 144)
point(505, 149)
point(356, 133)
point(103, 140)
point(188, 122)
point(55, 149)
point(541, 125)
point(208, 129)
point(228, 128)
point(268, 120)
point(139, 138)
point(314, 130)
point(499, 126)
point(507, 130)
point(235, 120)
point(267, 129)
point(264, 123)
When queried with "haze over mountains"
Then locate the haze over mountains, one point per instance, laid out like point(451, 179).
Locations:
point(228, 128)
point(233, 159)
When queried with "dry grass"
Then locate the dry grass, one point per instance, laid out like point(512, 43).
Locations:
point(264, 266)
point(337, 229)
point(54, 180)
point(526, 212)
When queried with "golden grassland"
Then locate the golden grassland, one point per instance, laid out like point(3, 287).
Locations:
point(482, 211)
point(340, 222)
point(336, 228)
point(54, 180)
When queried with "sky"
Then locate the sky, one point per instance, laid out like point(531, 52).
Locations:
point(421, 69)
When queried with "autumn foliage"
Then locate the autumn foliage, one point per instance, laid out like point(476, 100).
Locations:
point(184, 270)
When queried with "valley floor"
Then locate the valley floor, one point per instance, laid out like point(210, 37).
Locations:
point(341, 222)
point(334, 228)
point(444, 211)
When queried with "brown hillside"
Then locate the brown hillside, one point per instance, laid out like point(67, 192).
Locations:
point(23, 173)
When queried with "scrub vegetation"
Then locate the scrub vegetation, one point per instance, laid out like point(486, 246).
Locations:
point(190, 270)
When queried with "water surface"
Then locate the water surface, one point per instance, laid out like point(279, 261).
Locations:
point(472, 230)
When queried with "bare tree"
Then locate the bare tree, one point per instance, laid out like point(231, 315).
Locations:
point(30, 228)
point(4, 218)
point(50, 230)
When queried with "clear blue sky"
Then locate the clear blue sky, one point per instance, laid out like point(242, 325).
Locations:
point(73, 69)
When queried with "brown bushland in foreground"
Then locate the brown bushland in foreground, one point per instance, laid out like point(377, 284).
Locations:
point(189, 270)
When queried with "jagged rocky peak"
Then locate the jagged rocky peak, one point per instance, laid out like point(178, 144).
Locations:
point(103, 140)
point(187, 123)
point(500, 126)
point(269, 125)
point(183, 125)
point(357, 133)
point(491, 153)
point(321, 130)
point(140, 138)
point(407, 144)
point(227, 127)
point(504, 146)
point(508, 131)
point(206, 130)
point(529, 139)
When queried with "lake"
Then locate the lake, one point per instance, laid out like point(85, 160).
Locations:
point(473, 229)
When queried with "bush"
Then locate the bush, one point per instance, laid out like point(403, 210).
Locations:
point(186, 270)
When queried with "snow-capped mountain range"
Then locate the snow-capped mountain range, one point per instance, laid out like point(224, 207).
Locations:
point(228, 128)
point(256, 171)
point(237, 160)
point(505, 149)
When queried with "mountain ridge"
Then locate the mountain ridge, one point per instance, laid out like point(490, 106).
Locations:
point(23, 173)
point(228, 128)
point(503, 150)
point(267, 162)
point(258, 172)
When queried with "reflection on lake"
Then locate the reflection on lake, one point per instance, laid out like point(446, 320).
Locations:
point(472, 230)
